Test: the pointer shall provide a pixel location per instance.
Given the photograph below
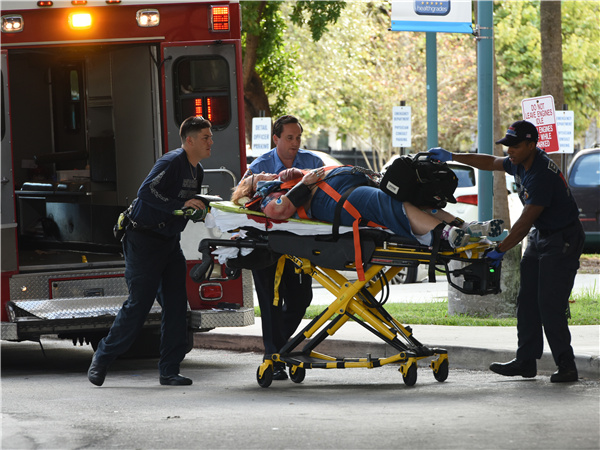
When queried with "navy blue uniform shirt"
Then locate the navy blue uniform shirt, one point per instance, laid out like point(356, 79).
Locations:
point(544, 185)
point(171, 182)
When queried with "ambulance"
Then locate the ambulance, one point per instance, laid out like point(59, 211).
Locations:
point(93, 93)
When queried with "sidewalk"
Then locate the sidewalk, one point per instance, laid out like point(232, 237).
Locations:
point(468, 347)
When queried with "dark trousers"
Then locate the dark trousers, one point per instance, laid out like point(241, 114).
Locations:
point(295, 294)
point(154, 269)
point(548, 270)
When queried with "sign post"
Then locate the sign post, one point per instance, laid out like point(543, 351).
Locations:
point(261, 135)
point(565, 126)
point(401, 126)
point(540, 112)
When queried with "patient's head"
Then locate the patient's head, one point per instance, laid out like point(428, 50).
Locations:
point(244, 191)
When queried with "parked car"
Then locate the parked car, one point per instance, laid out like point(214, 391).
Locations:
point(583, 177)
point(328, 160)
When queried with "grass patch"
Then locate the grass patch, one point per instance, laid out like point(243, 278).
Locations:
point(584, 305)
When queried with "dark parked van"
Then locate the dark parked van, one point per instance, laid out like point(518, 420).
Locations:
point(583, 177)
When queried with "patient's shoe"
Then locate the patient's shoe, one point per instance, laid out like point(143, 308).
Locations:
point(491, 228)
point(457, 237)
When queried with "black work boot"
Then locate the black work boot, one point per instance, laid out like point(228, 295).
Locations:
point(567, 371)
point(525, 368)
point(97, 372)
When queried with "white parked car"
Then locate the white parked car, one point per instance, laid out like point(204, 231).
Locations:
point(466, 194)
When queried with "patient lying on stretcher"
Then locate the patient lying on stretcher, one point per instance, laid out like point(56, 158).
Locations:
point(315, 194)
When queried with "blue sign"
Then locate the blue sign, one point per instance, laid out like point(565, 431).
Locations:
point(440, 16)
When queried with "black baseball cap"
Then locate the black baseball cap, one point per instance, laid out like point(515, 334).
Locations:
point(518, 132)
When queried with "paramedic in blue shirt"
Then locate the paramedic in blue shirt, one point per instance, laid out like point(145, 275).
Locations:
point(551, 260)
point(155, 267)
point(295, 292)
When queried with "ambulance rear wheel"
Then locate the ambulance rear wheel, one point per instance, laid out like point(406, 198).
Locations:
point(442, 373)
point(298, 375)
point(267, 377)
point(411, 376)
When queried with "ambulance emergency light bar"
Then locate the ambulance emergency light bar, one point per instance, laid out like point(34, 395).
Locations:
point(218, 17)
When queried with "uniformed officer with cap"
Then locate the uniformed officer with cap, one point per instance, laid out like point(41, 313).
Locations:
point(551, 260)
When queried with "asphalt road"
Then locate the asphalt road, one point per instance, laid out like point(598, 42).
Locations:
point(49, 403)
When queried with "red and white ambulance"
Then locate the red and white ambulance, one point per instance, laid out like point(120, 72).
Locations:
point(93, 93)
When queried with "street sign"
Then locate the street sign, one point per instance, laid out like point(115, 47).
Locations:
point(401, 126)
point(540, 112)
point(441, 16)
point(261, 135)
point(565, 125)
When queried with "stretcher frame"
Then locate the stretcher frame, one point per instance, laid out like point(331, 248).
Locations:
point(356, 300)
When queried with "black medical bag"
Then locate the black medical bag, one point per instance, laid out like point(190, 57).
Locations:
point(421, 181)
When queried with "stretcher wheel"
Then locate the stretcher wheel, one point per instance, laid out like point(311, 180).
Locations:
point(411, 375)
point(267, 377)
point(297, 374)
point(442, 372)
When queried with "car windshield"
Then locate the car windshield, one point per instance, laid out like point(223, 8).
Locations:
point(466, 176)
point(586, 171)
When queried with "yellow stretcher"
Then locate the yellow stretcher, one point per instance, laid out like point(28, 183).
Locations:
point(383, 255)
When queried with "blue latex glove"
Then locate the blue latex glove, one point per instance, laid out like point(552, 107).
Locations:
point(496, 257)
point(440, 154)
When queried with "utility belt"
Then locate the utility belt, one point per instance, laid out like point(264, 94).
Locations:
point(548, 233)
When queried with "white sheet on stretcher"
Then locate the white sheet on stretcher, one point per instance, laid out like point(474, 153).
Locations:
point(228, 217)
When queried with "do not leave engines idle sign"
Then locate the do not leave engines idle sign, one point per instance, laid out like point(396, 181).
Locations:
point(540, 112)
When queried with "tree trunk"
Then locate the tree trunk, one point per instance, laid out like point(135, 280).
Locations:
point(552, 62)
point(256, 101)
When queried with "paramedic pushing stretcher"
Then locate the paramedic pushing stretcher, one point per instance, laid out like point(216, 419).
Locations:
point(280, 322)
point(155, 267)
point(551, 260)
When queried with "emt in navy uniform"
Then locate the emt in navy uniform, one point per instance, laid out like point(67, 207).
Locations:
point(295, 291)
point(155, 267)
point(551, 260)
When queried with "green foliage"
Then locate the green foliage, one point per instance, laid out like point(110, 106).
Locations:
point(584, 306)
point(358, 71)
point(275, 63)
point(518, 53)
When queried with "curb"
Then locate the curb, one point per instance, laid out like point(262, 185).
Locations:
point(470, 358)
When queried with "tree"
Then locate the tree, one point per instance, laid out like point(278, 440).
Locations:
point(353, 76)
point(552, 58)
point(518, 40)
point(268, 70)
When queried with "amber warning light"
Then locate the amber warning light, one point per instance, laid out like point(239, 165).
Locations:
point(80, 21)
point(219, 18)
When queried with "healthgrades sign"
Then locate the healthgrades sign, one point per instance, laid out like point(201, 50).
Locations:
point(441, 16)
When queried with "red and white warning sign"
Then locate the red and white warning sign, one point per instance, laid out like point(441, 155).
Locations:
point(540, 112)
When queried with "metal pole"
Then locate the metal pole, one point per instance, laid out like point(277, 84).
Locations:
point(485, 102)
point(432, 97)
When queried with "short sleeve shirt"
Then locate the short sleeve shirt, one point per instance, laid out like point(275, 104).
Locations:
point(544, 185)
point(270, 162)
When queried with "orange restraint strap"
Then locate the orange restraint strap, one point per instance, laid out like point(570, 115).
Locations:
point(357, 219)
